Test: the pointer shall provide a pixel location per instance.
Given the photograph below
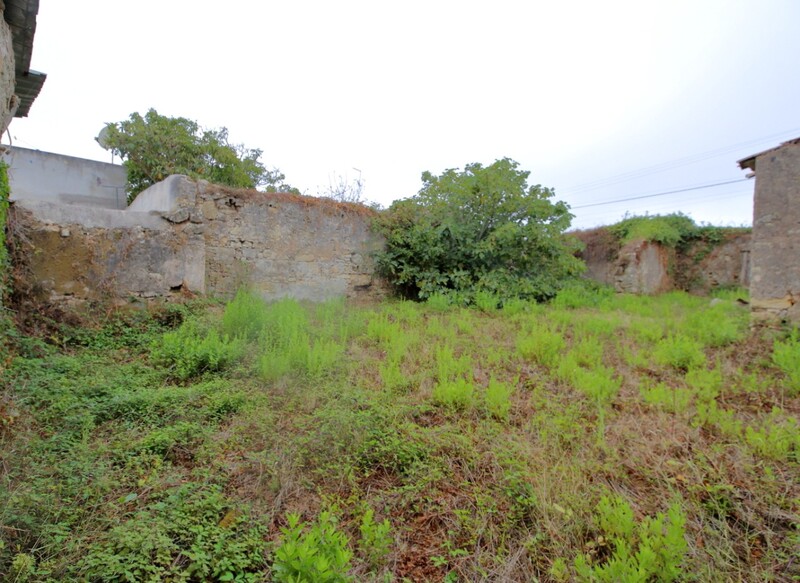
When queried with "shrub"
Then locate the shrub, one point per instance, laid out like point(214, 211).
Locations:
point(482, 229)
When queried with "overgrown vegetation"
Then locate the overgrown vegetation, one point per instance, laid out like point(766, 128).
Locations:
point(673, 230)
point(153, 146)
point(478, 234)
point(600, 437)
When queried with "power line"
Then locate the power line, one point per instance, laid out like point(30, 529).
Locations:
point(664, 166)
point(700, 187)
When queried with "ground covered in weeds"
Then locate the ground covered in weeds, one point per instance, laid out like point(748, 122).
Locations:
point(594, 438)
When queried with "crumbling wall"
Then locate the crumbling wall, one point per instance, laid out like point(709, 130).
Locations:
point(182, 235)
point(79, 253)
point(644, 267)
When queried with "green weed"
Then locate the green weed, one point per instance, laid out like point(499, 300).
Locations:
point(315, 553)
point(376, 539)
point(191, 351)
point(786, 356)
point(455, 394)
point(652, 549)
point(679, 352)
point(189, 533)
point(540, 345)
point(498, 399)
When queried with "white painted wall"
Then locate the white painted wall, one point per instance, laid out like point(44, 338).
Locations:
point(37, 175)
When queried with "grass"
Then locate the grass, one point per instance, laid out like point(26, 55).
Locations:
point(596, 438)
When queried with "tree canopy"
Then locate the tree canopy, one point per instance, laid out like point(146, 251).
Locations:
point(154, 146)
point(479, 229)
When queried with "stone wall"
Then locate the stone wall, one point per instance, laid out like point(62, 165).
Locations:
point(183, 235)
point(775, 285)
point(644, 267)
point(8, 101)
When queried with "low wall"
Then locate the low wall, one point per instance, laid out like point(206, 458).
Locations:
point(37, 175)
point(183, 235)
point(644, 267)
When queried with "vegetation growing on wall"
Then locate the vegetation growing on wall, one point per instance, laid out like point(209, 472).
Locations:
point(154, 146)
point(482, 229)
point(674, 230)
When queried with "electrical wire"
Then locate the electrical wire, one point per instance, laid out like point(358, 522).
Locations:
point(691, 188)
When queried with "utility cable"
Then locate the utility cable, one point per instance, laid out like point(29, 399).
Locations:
point(702, 186)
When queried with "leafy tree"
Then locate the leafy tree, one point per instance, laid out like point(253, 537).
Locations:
point(482, 229)
point(154, 146)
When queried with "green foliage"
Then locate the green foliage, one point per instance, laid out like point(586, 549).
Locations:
point(455, 394)
point(541, 345)
point(376, 539)
point(190, 351)
point(672, 399)
point(582, 294)
point(786, 356)
point(449, 367)
point(314, 554)
point(482, 229)
point(719, 325)
point(245, 316)
point(155, 146)
point(498, 399)
point(652, 549)
point(669, 230)
point(680, 352)
point(189, 534)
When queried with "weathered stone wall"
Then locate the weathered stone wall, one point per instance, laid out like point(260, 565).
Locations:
point(775, 285)
point(643, 267)
point(8, 101)
point(79, 253)
point(183, 235)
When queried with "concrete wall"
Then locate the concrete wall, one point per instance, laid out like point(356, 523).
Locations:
point(775, 284)
point(8, 101)
point(37, 175)
point(183, 235)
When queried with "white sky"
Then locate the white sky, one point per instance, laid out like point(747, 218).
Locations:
point(575, 91)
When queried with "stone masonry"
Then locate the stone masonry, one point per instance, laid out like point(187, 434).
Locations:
point(185, 236)
point(775, 277)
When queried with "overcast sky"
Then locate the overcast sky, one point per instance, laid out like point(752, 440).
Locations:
point(599, 100)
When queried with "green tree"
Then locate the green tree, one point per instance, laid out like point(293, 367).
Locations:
point(482, 229)
point(154, 146)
